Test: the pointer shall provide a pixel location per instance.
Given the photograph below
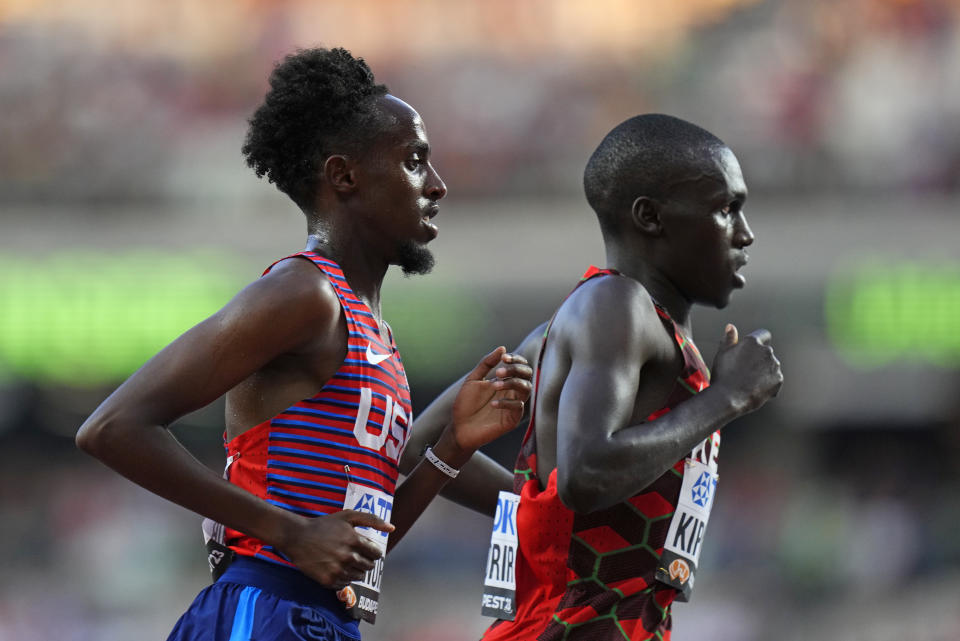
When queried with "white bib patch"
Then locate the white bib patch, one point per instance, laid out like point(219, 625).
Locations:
point(681, 551)
point(500, 580)
point(362, 598)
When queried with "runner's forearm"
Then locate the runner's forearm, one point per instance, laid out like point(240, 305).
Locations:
point(478, 484)
point(479, 481)
point(632, 458)
point(424, 483)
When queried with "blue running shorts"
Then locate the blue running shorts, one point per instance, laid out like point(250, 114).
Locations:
point(261, 601)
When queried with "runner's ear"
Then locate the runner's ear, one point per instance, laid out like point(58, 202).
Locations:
point(645, 216)
point(338, 172)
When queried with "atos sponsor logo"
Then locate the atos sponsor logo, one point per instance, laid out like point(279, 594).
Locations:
point(376, 505)
point(703, 489)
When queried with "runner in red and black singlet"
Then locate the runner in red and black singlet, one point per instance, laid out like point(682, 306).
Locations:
point(594, 573)
point(616, 479)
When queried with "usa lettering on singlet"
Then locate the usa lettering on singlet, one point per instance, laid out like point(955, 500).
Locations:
point(594, 577)
point(338, 449)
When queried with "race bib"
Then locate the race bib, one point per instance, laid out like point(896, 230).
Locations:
point(681, 552)
point(362, 598)
point(500, 581)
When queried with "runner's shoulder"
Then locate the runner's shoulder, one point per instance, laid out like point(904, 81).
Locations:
point(609, 317)
point(612, 298)
point(296, 286)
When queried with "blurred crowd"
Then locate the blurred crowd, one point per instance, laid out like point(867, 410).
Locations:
point(813, 95)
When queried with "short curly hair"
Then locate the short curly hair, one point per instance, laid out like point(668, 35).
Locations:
point(638, 158)
point(320, 102)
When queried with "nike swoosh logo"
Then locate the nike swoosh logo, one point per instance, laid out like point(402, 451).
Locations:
point(376, 359)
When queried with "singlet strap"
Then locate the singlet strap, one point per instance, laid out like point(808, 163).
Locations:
point(356, 311)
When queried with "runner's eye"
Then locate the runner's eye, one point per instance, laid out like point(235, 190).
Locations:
point(731, 208)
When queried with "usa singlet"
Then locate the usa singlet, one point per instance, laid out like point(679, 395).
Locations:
point(351, 433)
point(591, 577)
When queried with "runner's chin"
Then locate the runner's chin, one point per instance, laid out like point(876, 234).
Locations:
point(415, 258)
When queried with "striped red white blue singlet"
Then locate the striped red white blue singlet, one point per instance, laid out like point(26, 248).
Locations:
point(360, 418)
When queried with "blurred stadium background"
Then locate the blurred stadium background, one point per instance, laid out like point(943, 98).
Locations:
point(128, 215)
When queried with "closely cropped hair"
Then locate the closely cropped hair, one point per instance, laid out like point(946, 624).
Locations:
point(320, 102)
point(637, 158)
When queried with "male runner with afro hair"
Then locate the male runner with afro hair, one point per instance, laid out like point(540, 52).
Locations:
point(318, 410)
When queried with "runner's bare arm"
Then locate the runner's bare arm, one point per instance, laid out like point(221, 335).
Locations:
point(481, 479)
point(601, 458)
point(482, 411)
point(128, 431)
